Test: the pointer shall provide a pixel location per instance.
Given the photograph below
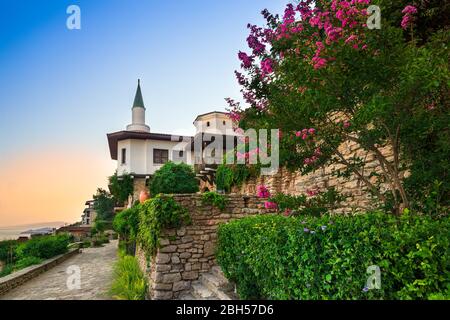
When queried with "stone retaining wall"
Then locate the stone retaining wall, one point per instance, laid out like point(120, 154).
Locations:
point(294, 183)
point(186, 253)
point(18, 278)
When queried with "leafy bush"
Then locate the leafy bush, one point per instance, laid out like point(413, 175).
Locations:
point(126, 223)
point(213, 198)
point(8, 250)
point(121, 187)
point(159, 212)
point(45, 247)
point(279, 257)
point(174, 178)
point(315, 204)
point(26, 262)
point(228, 176)
point(104, 205)
point(129, 281)
point(8, 269)
point(224, 178)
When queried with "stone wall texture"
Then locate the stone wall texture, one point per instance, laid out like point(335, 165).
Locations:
point(187, 252)
point(294, 183)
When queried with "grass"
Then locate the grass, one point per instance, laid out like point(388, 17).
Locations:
point(129, 281)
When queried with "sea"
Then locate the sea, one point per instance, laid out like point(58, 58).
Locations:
point(13, 232)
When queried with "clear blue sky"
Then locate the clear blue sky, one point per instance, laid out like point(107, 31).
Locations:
point(72, 87)
point(62, 90)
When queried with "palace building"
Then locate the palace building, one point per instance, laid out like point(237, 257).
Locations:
point(140, 152)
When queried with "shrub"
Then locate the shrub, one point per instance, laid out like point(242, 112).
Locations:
point(129, 281)
point(8, 269)
point(316, 203)
point(213, 198)
point(45, 247)
point(8, 250)
point(159, 212)
point(104, 205)
point(327, 257)
point(224, 178)
point(228, 176)
point(126, 223)
point(174, 178)
point(26, 262)
point(121, 187)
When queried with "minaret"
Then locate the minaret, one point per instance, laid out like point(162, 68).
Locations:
point(138, 113)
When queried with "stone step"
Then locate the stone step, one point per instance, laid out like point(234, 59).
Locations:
point(187, 296)
point(220, 288)
point(217, 271)
point(200, 291)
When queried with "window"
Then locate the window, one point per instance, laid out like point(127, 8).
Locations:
point(178, 156)
point(160, 156)
point(224, 123)
point(124, 156)
point(208, 124)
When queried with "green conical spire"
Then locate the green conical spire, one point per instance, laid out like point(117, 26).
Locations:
point(138, 101)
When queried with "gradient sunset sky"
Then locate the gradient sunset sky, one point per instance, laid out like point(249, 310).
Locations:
point(62, 90)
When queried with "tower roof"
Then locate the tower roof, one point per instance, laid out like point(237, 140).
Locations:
point(138, 100)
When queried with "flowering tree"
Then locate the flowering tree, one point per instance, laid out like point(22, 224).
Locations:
point(321, 76)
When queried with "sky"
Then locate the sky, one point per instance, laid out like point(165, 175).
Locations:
point(62, 91)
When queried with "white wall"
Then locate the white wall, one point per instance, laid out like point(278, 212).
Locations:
point(216, 125)
point(140, 155)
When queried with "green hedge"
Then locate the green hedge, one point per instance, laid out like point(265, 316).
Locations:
point(45, 247)
point(326, 257)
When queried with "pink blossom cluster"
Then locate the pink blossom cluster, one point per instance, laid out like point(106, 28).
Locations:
point(241, 79)
point(266, 66)
point(251, 99)
point(234, 110)
point(270, 205)
point(263, 192)
point(408, 18)
point(246, 60)
point(305, 133)
point(346, 124)
point(314, 158)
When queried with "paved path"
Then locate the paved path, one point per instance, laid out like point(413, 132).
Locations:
point(96, 265)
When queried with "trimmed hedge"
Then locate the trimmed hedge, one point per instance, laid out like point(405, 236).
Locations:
point(277, 257)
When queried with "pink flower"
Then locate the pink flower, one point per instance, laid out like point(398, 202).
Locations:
point(270, 205)
point(409, 9)
point(347, 124)
point(263, 192)
point(246, 60)
point(298, 134)
point(267, 66)
point(409, 12)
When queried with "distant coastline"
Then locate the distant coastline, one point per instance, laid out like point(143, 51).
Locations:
point(13, 232)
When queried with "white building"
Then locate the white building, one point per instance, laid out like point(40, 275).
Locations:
point(89, 214)
point(141, 152)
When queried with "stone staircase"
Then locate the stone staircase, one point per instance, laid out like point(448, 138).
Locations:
point(211, 286)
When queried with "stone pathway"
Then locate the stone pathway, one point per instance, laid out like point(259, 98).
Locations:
point(96, 265)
